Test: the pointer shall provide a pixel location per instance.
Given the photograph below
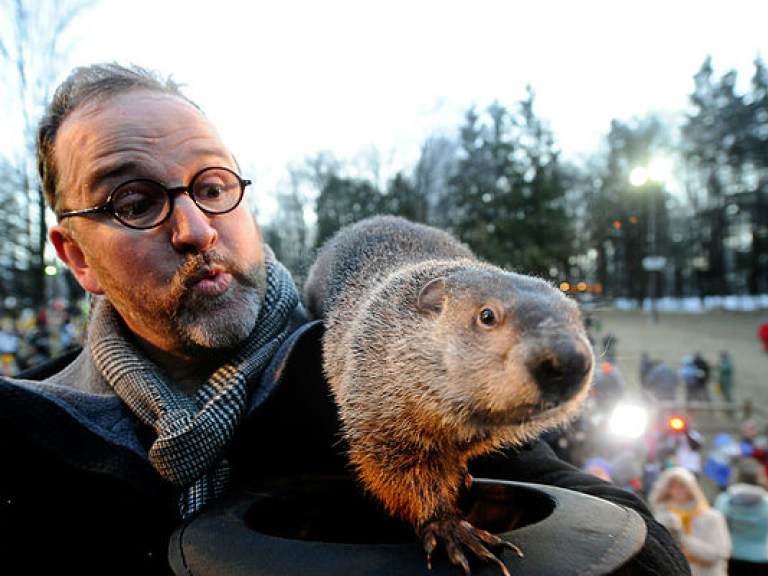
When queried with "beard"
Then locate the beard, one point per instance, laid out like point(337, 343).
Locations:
point(203, 323)
point(181, 319)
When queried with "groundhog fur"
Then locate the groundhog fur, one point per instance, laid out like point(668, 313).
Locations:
point(435, 357)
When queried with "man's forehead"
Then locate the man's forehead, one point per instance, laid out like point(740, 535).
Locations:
point(124, 105)
point(105, 135)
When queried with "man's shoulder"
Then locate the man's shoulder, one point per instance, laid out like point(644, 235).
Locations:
point(300, 354)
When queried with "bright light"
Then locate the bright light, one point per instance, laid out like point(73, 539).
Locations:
point(50, 270)
point(660, 169)
point(628, 421)
point(638, 176)
point(677, 423)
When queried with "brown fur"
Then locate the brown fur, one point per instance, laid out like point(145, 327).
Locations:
point(422, 383)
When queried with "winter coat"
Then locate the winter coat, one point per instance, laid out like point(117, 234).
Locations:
point(662, 382)
point(689, 373)
point(701, 530)
point(78, 494)
point(745, 508)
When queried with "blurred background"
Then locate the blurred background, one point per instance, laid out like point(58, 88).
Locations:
point(619, 150)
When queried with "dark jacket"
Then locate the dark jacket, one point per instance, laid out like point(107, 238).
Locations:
point(76, 499)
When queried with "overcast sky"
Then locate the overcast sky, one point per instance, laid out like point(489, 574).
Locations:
point(286, 79)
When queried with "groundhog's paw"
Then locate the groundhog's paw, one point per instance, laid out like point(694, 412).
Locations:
point(457, 535)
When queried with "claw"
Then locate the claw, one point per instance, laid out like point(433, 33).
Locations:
point(457, 556)
point(491, 540)
point(430, 543)
point(501, 566)
point(458, 536)
point(515, 549)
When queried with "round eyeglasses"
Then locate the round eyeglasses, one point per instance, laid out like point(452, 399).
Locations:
point(143, 203)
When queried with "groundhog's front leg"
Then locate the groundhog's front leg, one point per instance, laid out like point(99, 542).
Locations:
point(456, 534)
point(425, 492)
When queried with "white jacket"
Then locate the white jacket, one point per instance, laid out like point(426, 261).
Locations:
point(708, 545)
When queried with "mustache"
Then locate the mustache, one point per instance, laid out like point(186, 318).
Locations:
point(200, 266)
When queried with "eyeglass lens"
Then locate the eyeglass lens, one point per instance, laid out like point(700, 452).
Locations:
point(144, 203)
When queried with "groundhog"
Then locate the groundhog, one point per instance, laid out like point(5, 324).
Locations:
point(435, 357)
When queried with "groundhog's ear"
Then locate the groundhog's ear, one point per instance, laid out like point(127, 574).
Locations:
point(432, 296)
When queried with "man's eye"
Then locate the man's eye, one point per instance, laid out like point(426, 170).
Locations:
point(216, 194)
point(139, 202)
point(211, 191)
point(134, 206)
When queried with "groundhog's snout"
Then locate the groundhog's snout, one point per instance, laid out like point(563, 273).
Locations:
point(561, 367)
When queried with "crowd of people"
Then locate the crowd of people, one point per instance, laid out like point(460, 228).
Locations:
point(29, 339)
point(726, 533)
point(723, 534)
point(712, 499)
point(700, 382)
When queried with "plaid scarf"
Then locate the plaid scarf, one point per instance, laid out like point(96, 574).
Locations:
point(192, 431)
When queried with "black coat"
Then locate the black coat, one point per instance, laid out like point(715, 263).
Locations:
point(72, 502)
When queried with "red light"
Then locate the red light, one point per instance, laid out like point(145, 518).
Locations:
point(677, 423)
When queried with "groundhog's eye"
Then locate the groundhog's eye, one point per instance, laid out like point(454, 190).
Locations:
point(487, 317)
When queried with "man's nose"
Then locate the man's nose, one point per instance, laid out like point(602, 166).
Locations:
point(192, 229)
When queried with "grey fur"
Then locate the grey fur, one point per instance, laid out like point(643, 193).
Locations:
point(368, 250)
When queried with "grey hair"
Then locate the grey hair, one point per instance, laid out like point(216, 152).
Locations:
point(84, 84)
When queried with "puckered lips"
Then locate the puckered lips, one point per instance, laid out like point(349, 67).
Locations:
point(211, 280)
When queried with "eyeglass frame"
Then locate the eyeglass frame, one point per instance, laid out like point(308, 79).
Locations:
point(108, 207)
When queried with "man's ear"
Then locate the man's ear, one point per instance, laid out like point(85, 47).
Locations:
point(72, 255)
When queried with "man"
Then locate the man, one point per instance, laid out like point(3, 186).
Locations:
point(702, 376)
point(662, 382)
point(200, 375)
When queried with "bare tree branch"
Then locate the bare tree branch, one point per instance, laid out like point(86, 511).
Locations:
point(31, 56)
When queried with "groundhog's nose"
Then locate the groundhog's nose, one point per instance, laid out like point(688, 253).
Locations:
point(561, 368)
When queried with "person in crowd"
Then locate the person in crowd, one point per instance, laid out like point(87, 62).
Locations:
point(749, 432)
point(693, 378)
point(599, 467)
point(36, 343)
point(200, 376)
point(703, 375)
point(9, 347)
point(608, 386)
point(680, 504)
point(627, 472)
point(725, 376)
point(745, 507)
point(683, 448)
point(645, 366)
point(661, 380)
point(723, 451)
point(762, 334)
point(68, 337)
point(754, 442)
